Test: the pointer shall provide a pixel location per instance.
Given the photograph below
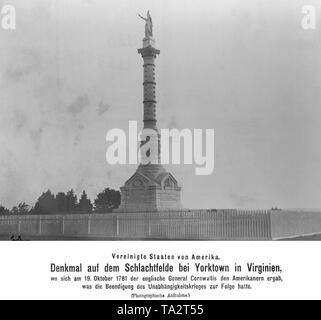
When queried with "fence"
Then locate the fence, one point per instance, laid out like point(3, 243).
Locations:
point(164, 225)
point(294, 223)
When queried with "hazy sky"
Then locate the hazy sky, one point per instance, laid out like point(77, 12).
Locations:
point(70, 72)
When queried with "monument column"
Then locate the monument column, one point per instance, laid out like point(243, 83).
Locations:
point(151, 188)
point(149, 54)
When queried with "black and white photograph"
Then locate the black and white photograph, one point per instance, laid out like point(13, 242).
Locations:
point(172, 124)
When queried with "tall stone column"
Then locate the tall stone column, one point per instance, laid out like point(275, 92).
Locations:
point(151, 188)
point(149, 53)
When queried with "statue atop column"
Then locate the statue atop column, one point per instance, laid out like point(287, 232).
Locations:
point(148, 25)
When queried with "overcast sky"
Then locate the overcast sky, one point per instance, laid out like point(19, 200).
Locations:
point(70, 72)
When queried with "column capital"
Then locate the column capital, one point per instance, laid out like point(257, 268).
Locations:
point(148, 52)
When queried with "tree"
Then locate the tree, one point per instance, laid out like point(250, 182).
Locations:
point(22, 208)
point(85, 205)
point(107, 200)
point(66, 203)
point(61, 203)
point(4, 210)
point(46, 204)
point(71, 202)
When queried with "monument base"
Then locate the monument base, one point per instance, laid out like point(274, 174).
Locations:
point(150, 189)
point(147, 42)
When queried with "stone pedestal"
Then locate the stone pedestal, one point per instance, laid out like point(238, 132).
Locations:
point(148, 42)
point(151, 188)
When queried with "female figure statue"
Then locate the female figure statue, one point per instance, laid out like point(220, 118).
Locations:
point(148, 25)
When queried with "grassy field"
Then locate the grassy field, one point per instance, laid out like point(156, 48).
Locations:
point(57, 238)
point(315, 237)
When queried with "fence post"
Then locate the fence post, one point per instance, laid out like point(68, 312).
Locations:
point(62, 225)
point(117, 225)
point(89, 225)
point(39, 226)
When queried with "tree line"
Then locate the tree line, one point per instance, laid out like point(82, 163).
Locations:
point(67, 203)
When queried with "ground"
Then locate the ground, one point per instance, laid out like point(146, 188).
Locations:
point(316, 237)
